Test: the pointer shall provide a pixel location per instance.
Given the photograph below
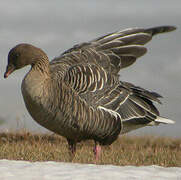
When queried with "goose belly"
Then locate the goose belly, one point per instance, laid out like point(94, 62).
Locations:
point(45, 112)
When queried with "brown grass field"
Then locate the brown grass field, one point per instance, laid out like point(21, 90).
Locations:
point(127, 150)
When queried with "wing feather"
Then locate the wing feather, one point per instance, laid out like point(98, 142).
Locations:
point(120, 100)
point(113, 51)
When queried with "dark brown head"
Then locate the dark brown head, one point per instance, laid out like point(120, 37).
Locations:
point(22, 55)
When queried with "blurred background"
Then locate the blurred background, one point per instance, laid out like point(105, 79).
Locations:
point(57, 25)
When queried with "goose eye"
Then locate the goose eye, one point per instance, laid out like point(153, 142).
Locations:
point(17, 55)
point(15, 59)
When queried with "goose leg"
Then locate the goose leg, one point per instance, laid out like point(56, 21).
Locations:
point(72, 148)
point(97, 151)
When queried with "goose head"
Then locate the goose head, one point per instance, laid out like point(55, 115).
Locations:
point(21, 56)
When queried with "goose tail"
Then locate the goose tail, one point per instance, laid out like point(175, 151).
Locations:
point(163, 120)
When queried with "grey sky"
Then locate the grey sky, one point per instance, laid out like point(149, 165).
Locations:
point(57, 25)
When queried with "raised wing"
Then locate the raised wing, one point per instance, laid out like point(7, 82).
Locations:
point(113, 51)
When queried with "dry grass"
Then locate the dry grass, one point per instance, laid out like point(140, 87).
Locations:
point(125, 151)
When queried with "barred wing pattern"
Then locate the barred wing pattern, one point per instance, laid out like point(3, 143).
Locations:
point(102, 91)
point(113, 51)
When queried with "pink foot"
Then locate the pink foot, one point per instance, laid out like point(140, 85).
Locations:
point(97, 152)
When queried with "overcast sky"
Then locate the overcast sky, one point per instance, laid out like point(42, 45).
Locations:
point(57, 25)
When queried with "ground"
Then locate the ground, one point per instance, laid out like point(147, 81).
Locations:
point(127, 150)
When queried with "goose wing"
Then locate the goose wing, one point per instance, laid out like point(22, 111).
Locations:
point(99, 88)
point(103, 91)
point(113, 51)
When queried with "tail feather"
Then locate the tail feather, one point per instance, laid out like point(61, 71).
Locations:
point(164, 120)
point(127, 127)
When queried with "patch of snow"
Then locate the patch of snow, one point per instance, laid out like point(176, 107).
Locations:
point(24, 170)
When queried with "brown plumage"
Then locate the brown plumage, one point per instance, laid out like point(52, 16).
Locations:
point(78, 95)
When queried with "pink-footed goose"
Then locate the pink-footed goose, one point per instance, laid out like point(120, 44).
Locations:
point(78, 95)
